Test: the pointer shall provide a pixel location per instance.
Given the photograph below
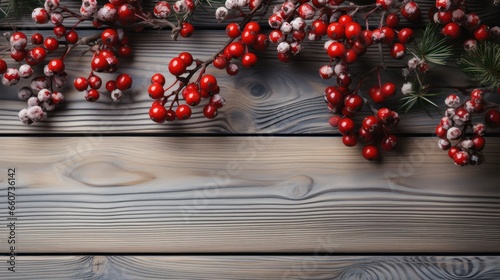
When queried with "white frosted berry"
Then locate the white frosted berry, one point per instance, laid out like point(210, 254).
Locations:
point(407, 88)
point(180, 7)
point(40, 16)
point(39, 83)
point(44, 95)
point(306, 11)
point(453, 133)
point(47, 72)
point(469, 106)
point(298, 24)
point(286, 28)
point(25, 71)
point(326, 72)
point(340, 67)
point(242, 3)
point(56, 18)
point(116, 95)
point(24, 93)
point(444, 144)
point(23, 116)
point(413, 62)
point(36, 113)
point(295, 48)
point(283, 47)
point(18, 40)
point(51, 5)
point(10, 77)
point(107, 13)
point(275, 21)
point(467, 144)
point(479, 129)
point(231, 4)
point(221, 13)
point(60, 79)
point(443, 5)
point(288, 8)
point(446, 123)
point(452, 101)
point(57, 98)
point(47, 106)
point(33, 101)
point(450, 112)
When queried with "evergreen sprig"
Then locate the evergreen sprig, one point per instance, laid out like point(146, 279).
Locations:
point(482, 65)
point(17, 7)
point(431, 47)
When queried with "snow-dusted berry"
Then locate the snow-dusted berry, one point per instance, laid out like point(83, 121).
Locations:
point(18, 40)
point(116, 95)
point(23, 116)
point(453, 133)
point(56, 18)
point(39, 83)
point(33, 101)
point(162, 9)
point(51, 5)
point(466, 144)
point(10, 77)
point(40, 16)
point(275, 21)
point(60, 79)
point(180, 7)
point(452, 101)
point(446, 123)
point(44, 95)
point(36, 113)
point(326, 72)
point(47, 106)
point(57, 98)
point(107, 12)
point(286, 28)
point(298, 24)
point(24, 93)
point(479, 129)
point(221, 13)
point(444, 144)
point(283, 47)
point(25, 71)
point(47, 72)
point(306, 11)
point(288, 8)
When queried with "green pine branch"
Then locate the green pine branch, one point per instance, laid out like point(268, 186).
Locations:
point(432, 47)
point(17, 7)
point(482, 65)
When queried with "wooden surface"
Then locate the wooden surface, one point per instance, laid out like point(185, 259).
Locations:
point(264, 191)
point(258, 267)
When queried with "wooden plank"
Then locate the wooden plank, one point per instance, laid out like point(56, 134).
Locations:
point(256, 267)
point(273, 97)
point(246, 194)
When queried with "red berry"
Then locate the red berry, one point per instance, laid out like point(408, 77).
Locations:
point(72, 37)
point(370, 152)
point(389, 142)
point(352, 30)
point(126, 12)
point(109, 37)
point(353, 102)
point(335, 31)
point(346, 126)
point(187, 57)
point(183, 112)
point(248, 37)
point(51, 44)
point(81, 84)
point(261, 43)
point(392, 20)
point(492, 118)
point(461, 158)
point(389, 34)
point(345, 19)
point(249, 60)
point(388, 89)
point(192, 97)
point(350, 140)
point(3, 66)
point(158, 113)
point(441, 132)
point(92, 95)
point(95, 82)
point(376, 95)
point(482, 33)
point(177, 66)
point(336, 50)
point(252, 26)
point(210, 111)
point(158, 78)
point(478, 143)
point(452, 151)
point(405, 35)
point(319, 27)
point(37, 39)
point(187, 30)
point(398, 51)
point(451, 30)
point(124, 51)
point(56, 66)
point(208, 83)
point(123, 82)
point(59, 31)
point(333, 96)
point(233, 30)
point(235, 49)
point(155, 91)
point(110, 85)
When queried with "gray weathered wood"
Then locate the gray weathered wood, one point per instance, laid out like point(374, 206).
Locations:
point(247, 194)
point(256, 267)
point(273, 97)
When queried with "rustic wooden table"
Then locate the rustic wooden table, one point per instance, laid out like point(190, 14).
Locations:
point(264, 191)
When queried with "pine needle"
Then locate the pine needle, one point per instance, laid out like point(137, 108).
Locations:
point(431, 47)
point(482, 65)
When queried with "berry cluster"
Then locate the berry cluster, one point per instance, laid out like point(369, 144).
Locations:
point(107, 47)
point(238, 50)
point(455, 19)
point(452, 130)
point(375, 130)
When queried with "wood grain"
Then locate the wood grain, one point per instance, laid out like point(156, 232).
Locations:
point(273, 97)
point(247, 194)
point(256, 267)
